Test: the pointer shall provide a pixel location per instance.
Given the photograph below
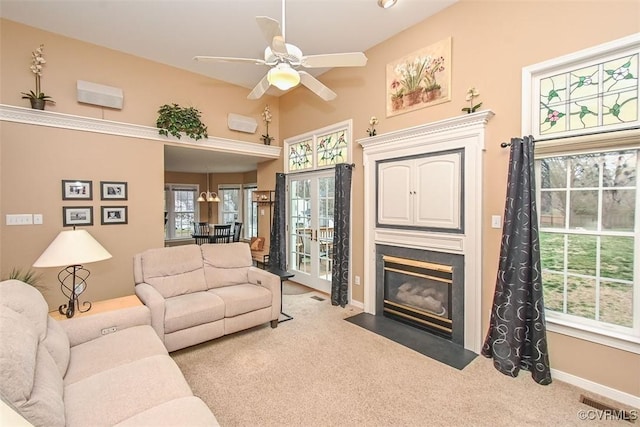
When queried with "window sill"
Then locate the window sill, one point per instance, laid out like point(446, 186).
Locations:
point(615, 340)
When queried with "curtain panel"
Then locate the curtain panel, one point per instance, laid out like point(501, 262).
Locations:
point(277, 245)
point(516, 338)
point(341, 237)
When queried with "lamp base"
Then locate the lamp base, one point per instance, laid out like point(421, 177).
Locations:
point(77, 275)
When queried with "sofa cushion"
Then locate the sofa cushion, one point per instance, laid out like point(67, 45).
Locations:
point(185, 311)
point(241, 299)
point(57, 343)
point(113, 350)
point(227, 264)
point(27, 300)
point(173, 270)
point(186, 411)
point(112, 396)
point(29, 377)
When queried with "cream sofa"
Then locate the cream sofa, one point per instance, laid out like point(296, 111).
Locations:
point(72, 373)
point(200, 292)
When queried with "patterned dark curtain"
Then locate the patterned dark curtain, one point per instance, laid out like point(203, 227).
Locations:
point(341, 225)
point(517, 333)
point(277, 245)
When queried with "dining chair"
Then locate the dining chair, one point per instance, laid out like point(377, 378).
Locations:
point(237, 227)
point(200, 232)
point(221, 234)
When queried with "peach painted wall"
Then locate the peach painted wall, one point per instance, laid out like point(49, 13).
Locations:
point(492, 41)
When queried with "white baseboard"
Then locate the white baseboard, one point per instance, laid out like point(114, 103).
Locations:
point(357, 304)
point(602, 390)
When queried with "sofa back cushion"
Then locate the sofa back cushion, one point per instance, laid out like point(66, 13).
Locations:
point(29, 377)
point(226, 264)
point(171, 271)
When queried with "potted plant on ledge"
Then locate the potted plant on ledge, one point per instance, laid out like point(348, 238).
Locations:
point(174, 119)
point(38, 99)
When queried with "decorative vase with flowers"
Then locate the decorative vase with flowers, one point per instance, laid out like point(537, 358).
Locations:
point(38, 99)
point(373, 121)
point(471, 94)
point(266, 117)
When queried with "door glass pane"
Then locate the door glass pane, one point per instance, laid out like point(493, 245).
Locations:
point(300, 225)
point(553, 172)
point(552, 251)
point(619, 169)
point(325, 225)
point(618, 209)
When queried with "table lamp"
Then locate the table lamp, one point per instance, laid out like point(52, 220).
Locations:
point(72, 248)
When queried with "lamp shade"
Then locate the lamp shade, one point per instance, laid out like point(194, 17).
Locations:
point(283, 76)
point(72, 247)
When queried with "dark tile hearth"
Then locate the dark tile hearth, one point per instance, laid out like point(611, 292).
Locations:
point(423, 342)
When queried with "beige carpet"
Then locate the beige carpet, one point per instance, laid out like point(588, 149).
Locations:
point(290, 287)
point(319, 370)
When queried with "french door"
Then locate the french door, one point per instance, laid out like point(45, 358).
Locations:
point(310, 228)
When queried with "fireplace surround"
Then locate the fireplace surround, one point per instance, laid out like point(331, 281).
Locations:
point(462, 242)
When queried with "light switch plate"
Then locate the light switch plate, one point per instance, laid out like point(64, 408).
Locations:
point(496, 221)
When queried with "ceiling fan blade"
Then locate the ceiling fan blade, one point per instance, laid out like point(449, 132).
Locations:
point(272, 33)
point(228, 59)
point(316, 87)
point(330, 60)
point(260, 89)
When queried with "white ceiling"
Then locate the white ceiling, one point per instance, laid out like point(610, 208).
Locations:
point(172, 32)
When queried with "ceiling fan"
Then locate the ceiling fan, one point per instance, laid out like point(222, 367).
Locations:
point(285, 60)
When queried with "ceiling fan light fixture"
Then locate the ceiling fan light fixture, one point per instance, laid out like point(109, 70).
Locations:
point(386, 4)
point(283, 76)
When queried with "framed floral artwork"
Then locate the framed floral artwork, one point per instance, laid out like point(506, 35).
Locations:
point(420, 79)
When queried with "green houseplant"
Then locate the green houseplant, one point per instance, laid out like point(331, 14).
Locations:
point(174, 119)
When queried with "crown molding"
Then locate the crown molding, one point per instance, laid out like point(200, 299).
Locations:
point(480, 118)
point(11, 113)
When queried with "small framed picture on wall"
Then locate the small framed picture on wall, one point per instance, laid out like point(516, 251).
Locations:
point(77, 215)
point(113, 215)
point(75, 189)
point(110, 190)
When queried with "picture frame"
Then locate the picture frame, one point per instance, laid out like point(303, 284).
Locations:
point(420, 79)
point(114, 215)
point(77, 215)
point(113, 190)
point(77, 189)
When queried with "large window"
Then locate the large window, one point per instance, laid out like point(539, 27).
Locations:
point(582, 109)
point(322, 148)
point(181, 210)
point(589, 239)
point(230, 206)
point(250, 226)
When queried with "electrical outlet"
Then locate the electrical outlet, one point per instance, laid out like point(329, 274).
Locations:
point(110, 330)
point(356, 280)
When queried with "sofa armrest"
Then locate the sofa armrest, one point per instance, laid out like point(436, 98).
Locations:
point(83, 329)
point(270, 281)
point(156, 303)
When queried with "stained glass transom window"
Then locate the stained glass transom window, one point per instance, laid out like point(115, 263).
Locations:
point(319, 149)
point(300, 156)
point(588, 92)
point(332, 149)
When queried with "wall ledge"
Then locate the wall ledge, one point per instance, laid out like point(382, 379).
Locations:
point(11, 113)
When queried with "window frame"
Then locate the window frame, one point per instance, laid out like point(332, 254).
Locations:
point(313, 137)
point(221, 212)
point(592, 140)
point(169, 188)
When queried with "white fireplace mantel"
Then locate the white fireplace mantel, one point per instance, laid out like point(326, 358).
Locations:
point(465, 132)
